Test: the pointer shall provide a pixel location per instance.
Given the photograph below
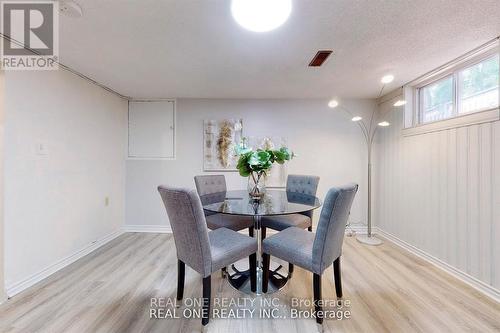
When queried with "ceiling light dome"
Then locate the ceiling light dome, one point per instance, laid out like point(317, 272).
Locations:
point(387, 79)
point(261, 15)
point(333, 104)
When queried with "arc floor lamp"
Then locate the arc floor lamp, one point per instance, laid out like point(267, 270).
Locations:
point(369, 129)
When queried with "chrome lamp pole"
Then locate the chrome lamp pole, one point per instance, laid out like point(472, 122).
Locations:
point(369, 130)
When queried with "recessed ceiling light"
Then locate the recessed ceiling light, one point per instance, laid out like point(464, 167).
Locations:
point(384, 123)
point(401, 102)
point(261, 15)
point(333, 103)
point(357, 118)
point(387, 79)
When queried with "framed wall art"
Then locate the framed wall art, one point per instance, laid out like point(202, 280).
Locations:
point(219, 140)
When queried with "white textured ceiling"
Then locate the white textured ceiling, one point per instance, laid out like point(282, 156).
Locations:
point(162, 48)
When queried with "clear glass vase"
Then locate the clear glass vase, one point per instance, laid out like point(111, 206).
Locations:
point(257, 185)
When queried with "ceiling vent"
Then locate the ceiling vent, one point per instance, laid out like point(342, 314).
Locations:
point(320, 58)
point(70, 8)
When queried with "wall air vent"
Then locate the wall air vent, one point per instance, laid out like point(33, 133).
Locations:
point(320, 58)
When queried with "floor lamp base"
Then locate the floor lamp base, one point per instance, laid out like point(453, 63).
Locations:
point(368, 240)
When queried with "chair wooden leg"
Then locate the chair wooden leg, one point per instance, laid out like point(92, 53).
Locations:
point(290, 270)
point(207, 288)
point(265, 274)
point(250, 231)
point(253, 271)
point(310, 228)
point(263, 232)
point(181, 272)
point(223, 272)
point(338, 279)
point(318, 311)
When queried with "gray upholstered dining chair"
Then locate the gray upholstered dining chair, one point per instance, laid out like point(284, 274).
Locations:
point(209, 188)
point(295, 184)
point(315, 252)
point(204, 251)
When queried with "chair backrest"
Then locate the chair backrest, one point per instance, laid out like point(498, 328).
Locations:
point(331, 226)
point(303, 184)
point(210, 184)
point(189, 227)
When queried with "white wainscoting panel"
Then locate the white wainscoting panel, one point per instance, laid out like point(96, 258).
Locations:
point(440, 192)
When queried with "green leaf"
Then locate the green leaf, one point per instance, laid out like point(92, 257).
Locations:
point(287, 155)
point(244, 172)
point(240, 150)
point(280, 156)
point(261, 160)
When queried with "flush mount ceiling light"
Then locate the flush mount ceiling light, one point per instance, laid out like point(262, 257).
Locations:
point(400, 103)
point(333, 104)
point(384, 123)
point(387, 79)
point(261, 15)
point(357, 118)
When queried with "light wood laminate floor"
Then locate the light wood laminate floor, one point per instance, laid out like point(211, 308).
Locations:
point(109, 290)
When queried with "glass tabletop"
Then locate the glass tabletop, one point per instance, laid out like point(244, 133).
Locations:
point(274, 202)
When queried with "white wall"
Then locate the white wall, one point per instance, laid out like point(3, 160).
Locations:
point(440, 192)
point(55, 203)
point(328, 144)
point(2, 242)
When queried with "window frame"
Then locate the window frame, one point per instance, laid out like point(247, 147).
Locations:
point(413, 94)
point(487, 56)
point(454, 73)
point(421, 97)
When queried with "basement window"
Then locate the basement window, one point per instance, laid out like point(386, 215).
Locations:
point(461, 93)
point(477, 86)
point(437, 100)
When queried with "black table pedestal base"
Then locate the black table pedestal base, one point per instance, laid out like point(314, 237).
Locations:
point(240, 279)
point(275, 202)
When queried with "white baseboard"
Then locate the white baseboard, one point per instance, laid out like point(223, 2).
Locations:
point(16, 288)
point(359, 229)
point(162, 229)
point(468, 279)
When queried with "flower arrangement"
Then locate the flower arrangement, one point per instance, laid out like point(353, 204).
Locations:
point(254, 164)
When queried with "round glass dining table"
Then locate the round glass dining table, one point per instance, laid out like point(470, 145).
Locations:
point(274, 202)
